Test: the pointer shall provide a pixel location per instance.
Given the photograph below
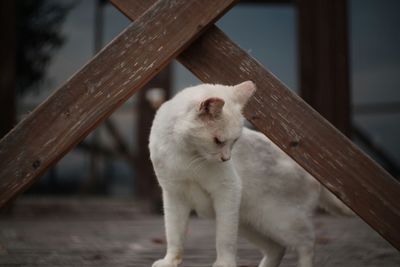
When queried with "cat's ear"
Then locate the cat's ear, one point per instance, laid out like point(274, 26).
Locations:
point(211, 107)
point(243, 91)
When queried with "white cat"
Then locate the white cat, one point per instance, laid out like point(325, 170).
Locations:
point(206, 161)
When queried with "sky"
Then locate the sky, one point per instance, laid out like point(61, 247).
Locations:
point(268, 33)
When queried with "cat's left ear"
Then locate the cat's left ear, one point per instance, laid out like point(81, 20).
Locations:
point(243, 91)
point(211, 107)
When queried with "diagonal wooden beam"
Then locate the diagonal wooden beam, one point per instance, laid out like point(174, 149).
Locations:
point(93, 93)
point(296, 128)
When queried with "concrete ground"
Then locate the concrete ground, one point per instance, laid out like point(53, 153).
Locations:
point(103, 232)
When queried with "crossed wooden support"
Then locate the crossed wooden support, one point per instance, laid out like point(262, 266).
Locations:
point(170, 28)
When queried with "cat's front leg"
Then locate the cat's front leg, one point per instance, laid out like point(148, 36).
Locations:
point(176, 215)
point(226, 198)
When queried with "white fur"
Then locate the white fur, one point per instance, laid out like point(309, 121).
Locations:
point(261, 191)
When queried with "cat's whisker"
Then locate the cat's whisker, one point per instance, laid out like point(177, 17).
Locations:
point(195, 164)
point(193, 161)
point(197, 161)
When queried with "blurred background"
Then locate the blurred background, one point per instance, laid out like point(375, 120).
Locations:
point(344, 60)
point(95, 207)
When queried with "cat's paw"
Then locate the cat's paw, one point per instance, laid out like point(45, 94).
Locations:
point(225, 263)
point(165, 263)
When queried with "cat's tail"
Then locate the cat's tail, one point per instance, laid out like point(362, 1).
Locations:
point(332, 204)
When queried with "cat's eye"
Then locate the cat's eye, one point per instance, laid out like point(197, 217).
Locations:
point(219, 141)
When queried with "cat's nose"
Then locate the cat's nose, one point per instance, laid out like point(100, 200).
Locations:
point(225, 158)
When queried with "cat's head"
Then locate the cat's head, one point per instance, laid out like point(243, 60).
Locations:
point(215, 120)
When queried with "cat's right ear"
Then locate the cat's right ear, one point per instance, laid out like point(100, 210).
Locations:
point(211, 107)
point(243, 91)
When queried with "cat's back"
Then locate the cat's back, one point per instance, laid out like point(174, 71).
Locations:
point(266, 168)
point(254, 152)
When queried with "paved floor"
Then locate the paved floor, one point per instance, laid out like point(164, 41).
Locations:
point(89, 232)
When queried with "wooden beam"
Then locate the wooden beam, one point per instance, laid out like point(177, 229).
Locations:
point(324, 61)
point(93, 93)
point(303, 133)
point(296, 128)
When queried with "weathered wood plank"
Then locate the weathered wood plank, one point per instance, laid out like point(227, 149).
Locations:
point(109, 233)
point(296, 128)
point(303, 134)
point(93, 93)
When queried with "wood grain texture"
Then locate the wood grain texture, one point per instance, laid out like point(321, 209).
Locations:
point(296, 128)
point(57, 232)
point(93, 93)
